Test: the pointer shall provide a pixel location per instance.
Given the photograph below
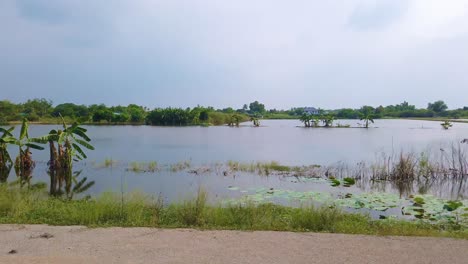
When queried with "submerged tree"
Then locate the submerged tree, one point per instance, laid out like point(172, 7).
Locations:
point(305, 118)
point(65, 147)
point(5, 160)
point(255, 120)
point(235, 120)
point(366, 114)
point(328, 120)
point(24, 164)
point(446, 124)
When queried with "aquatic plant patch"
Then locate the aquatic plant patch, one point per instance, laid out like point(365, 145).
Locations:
point(425, 207)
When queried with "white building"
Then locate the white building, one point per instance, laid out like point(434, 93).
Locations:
point(311, 110)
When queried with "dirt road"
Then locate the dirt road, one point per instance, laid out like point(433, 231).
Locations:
point(44, 244)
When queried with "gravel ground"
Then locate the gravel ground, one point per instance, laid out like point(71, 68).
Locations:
point(47, 244)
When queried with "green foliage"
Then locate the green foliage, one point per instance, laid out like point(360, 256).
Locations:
point(256, 108)
point(367, 115)
point(446, 124)
point(138, 210)
point(41, 110)
point(327, 119)
point(437, 106)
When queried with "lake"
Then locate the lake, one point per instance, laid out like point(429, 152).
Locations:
point(205, 152)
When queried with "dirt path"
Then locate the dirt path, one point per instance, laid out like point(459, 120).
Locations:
point(44, 244)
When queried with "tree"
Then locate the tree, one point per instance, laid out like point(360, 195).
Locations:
point(39, 107)
point(235, 120)
point(66, 146)
point(257, 108)
point(437, 106)
point(305, 118)
point(328, 120)
point(367, 114)
point(24, 164)
point(255, 120)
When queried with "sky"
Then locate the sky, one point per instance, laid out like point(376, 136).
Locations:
point(183, 53)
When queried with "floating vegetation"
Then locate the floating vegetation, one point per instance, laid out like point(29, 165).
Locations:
point(183, 165)
point(273, 168)
point(152, 166)
point(446, 124)
point(109, 163)
point(424, 207)
point(347, 182)
point(431, 208)
point(200, 171)
point(373, 201)
point(140, 167)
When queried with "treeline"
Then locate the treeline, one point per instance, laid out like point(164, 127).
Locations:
point(405, 110)
point(42, 110)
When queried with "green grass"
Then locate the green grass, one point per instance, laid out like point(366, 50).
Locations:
point(139, 210)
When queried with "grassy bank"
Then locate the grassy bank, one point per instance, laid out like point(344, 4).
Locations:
point(138, 210)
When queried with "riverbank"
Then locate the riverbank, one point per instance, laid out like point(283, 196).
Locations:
point(138, 210)
point(77, 244)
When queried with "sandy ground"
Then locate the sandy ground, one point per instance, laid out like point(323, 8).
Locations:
point(46, 244)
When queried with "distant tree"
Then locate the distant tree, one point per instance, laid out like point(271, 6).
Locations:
point(255, 121)
point(228, 110)
point(103, 114)
point(40, 107)
point(437, 106)
point(347, 113)
point(366, 114)
point(257, 107)
point(328, 120)
point(305, 118)
point(137, 113)
point(204, 115)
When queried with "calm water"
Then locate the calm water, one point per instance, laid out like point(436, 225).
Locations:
point(276, 140)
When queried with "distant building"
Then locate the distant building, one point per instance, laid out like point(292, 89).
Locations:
point(311, 110)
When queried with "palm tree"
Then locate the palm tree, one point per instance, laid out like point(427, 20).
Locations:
point(316, 120)
point(328, 120)
point(305, 118)
point(366, 114)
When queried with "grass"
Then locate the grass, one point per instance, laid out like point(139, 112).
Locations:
point(259, 167)
point(138, 167)
point(138, 210)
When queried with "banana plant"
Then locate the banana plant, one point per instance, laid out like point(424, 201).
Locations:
point(5, 159)
point(66, 146)
point(24, 164)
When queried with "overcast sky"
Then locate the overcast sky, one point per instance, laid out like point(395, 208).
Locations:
point(328, 54)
